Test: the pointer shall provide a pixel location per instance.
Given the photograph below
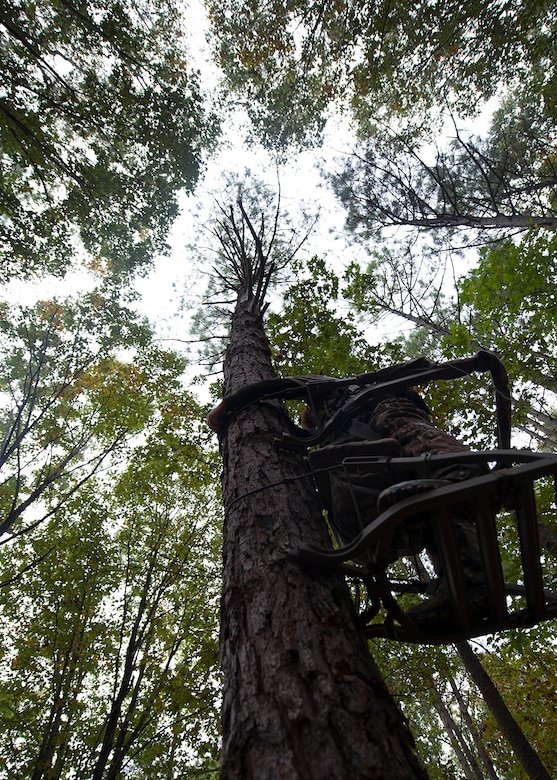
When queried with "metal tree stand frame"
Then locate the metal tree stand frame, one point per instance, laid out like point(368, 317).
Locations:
point(369, 556)
point(508, 489)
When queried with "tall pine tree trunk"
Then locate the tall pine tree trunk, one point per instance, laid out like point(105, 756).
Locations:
point(302, 696)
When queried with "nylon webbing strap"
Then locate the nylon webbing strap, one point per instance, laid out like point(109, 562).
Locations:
point(391, 380)
point(361, 430)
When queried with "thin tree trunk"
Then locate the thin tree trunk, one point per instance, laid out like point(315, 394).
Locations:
point(302, 696)
point(467, 718)
point(548, 539)
point(508, 726)
point(465, 758)
point(126, 683)
point(64, 690)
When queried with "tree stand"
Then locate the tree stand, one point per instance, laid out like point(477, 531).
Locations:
point(396, 587)
point(381, 547)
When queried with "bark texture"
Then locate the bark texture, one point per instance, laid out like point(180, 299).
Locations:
point(302, 696)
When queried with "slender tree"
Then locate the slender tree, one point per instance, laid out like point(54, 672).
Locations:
point(459, 744)
point(472, 730)
point(302, 696)
point(523, 750)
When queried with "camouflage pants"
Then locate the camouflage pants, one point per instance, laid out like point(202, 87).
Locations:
point(404, 428)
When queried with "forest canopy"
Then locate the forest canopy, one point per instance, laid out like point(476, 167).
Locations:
point(445, 174)
point(102, 123)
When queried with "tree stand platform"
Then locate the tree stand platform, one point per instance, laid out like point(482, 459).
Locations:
point(505, 498)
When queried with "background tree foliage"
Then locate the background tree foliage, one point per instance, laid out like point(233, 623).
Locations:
point(109, 531)
point(291, 62)
point(504, 181)
point(108, 596)
point(110, 517)
point(102, 123)
point(69, 400)
point(505, 304)
point(311, 336)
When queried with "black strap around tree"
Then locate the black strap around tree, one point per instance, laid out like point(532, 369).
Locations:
point(377, 384)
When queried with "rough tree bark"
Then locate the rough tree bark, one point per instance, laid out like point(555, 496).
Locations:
point(302, 695)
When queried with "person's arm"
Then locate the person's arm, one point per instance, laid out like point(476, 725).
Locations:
point(217, 416)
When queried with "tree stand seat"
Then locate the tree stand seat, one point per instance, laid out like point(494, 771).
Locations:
point(511, 596)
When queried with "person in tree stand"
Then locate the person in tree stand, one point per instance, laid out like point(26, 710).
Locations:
point(394, 425)
point(397, 426)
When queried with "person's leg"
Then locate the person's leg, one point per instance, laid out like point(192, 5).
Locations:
point(406, 419)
